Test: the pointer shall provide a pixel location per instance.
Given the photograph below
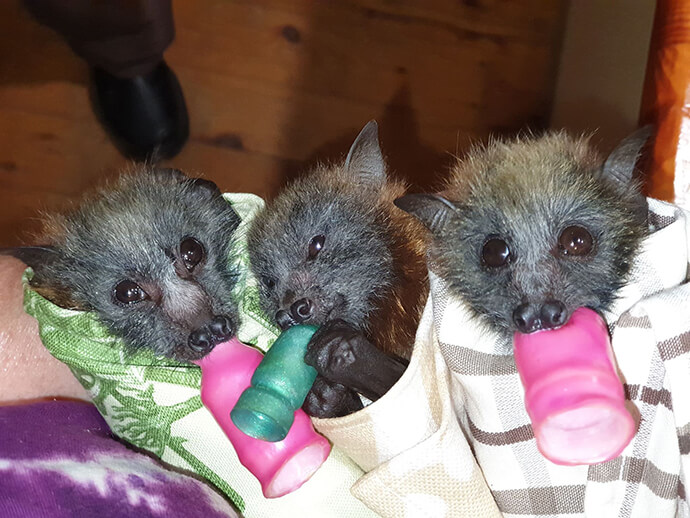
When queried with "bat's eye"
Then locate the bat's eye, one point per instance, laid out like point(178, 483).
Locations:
point(495, 253)
point(575, 241)
point(269, 282)
point(315, 246)
point(129, 292)
point(192, 252)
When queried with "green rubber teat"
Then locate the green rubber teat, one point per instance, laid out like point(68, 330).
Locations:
point(279, 386)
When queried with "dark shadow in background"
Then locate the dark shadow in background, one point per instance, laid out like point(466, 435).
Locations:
point(32, 53)
point(409, 156)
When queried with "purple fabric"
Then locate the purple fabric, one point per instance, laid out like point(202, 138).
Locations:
point(58, 459)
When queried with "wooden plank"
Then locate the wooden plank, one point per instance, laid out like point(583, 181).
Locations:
point(273, 86)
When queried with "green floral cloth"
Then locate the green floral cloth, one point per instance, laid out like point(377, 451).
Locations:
point(154, 403)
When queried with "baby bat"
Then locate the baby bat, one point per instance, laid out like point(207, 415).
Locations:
point(333, 250)
point(149, 255)
point(527, 231)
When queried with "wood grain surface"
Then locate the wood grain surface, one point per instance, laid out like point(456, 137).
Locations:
point(273, 86)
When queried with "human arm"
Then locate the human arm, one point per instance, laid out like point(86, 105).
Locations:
point(28, 370)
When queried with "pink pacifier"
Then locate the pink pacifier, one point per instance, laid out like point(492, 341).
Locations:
point(573, 394)
point(281, 467)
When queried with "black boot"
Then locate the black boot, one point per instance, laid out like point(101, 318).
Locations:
point(145, 115)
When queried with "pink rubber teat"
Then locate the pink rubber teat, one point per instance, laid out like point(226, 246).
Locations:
point(573, 395)
point(281, 467)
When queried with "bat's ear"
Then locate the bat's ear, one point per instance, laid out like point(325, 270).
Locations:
point(620, 164)
point(365, 159)
point(34, 256)
point(433, 210)
point(42, 260)
point(205, 187)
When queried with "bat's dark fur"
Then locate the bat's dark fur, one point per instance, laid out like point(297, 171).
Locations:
point(132, 230)
point(371, 271)
point(526, 192)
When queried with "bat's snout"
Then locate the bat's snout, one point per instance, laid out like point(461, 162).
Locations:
point(299, 312)
point(205, 338)
point(530, 317)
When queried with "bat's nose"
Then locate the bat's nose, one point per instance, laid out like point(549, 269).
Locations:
point(200, 340)
point(221, 328)
point(302, 310)
point(526, 317)
point(553, 314)
point(203, 339)
point(284, 320)
point(530, 317)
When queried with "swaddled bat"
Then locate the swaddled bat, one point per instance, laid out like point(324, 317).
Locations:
point(149, 255)
point(332, 250)
point(527, 231)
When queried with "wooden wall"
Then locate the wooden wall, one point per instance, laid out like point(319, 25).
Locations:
point(274, 85)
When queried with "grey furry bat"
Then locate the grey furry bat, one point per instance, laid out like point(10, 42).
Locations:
point(333, 250)
point(529, 230)
point(149, 255)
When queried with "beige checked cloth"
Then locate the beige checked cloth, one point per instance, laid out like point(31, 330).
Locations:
point(453, 439)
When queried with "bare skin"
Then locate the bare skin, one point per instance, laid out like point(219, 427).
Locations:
point(27, 371)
